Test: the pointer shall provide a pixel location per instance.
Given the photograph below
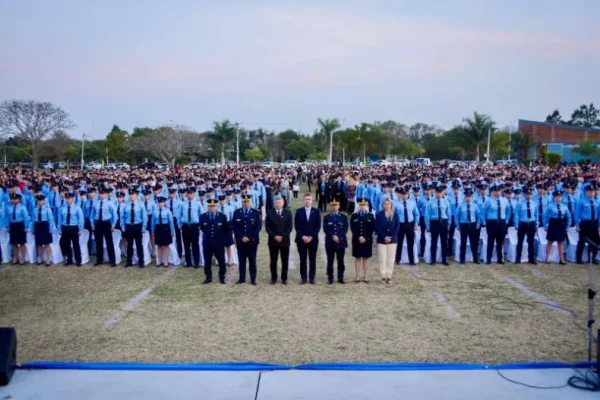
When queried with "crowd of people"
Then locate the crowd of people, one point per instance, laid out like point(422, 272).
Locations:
point(213, 212)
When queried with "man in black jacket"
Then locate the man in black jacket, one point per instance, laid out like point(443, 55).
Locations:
point(322, 194)
point(308, 224)
point(278, 225)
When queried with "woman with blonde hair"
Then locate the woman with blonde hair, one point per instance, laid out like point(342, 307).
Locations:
point(351, 208)
point(387, 223)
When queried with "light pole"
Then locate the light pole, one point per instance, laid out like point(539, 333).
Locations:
point(237, 144)
point(82, 148)
point(331, 143)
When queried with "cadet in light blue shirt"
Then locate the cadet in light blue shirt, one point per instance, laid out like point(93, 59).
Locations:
point(163, 230)
point(42, 227)
point(587, 221)
point(467, 219)
point(136, 220)
point(437, 217)
point(496, 214)
point(70, 226)
point(557, 220)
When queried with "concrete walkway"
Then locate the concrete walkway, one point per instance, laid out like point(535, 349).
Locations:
point(289, 385)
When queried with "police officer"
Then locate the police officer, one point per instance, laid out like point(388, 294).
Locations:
point(189, 219)
point(322, 193)
point(246, 224)
point(467, 221)
point(174, 206)
point(362, 225)
point(422, 206)
point(18, 224)
point(215, 229)
point(526, 221)
point(496, 212)
point(135, 219)
point(437, 216)
point(568, 200)
point(409, 214)
point(103, 219)
point(557, 219)
point(163, 229)
point(87, 206)
point(587, 222)
point(335, 226)
point(70, 227)
point(150, 206)
point(455, 198)
point(42, 227)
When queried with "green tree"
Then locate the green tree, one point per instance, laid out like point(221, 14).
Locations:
point(223, 134)
point(407, 149)
point(555, 118)
point(328, 127)
point(298, 149)
point(254, 155)
point(476, 132)
point(552, 159)
point(317, 156)
point(587, 148)
point(499, 145)
point(586, 116)
point(116, 142)
point(522, 143)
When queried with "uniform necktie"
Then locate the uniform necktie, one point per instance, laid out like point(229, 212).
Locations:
point(91, 205)
point(469, 212)
point(171, 206)
point(569, 203)
point(146, 204)
point(39, 214)
point(132, 214)
point(68, 215)
point(593, 213)
point(119, 212)
point(160, 215)
point(100, 212)
point(14, 217)
point(405, 212)
point(279, 212)
point(559, 212)
point(541, 212)
point(528, 210)
point(439, 210)
point(456, 203)
point(499, 210)
point(189, 212)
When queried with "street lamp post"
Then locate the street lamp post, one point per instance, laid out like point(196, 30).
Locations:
point(82, 148)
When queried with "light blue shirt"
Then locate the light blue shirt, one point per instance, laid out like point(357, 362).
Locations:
point(190, 212)
point(467, 213)
point(17, 213)
point(109, 212)
point(521, 212)
point(139, 215)
point(554, 211)
point(437, 209)
point(162, 215)
point(174, 207)
point(495, 209)
point(411, 210)
point(44, 216)
point(76, 218)
point(583, 210)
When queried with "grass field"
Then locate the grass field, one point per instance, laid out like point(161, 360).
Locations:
point(429, 314)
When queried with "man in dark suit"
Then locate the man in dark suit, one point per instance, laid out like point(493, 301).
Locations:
point(278, 224)
point(322, 193)
point(308, 224)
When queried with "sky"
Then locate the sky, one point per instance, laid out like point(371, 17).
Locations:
point(281, 64)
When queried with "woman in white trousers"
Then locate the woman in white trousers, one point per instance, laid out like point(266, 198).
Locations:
point(387, 223)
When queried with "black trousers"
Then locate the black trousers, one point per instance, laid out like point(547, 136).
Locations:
point(274, 252)
point(309, 250)
point(469, 231)
point(209, 250)
point(451, 230)
point(191, 244)
point(70, 236)
point(496, 231)
point(422, 240)
point(87, 225)
point(178, 238)
point(247, 253)
point(439, 229)
point(133, 234)
point(103, 232)
point(351, 206)
point(526, 229)
point(322, 203)
point(406, 230)
point(339, 255)
point(587, 230)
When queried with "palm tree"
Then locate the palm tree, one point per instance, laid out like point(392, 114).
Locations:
point(522, 143)
point(328, 127)
point(223, 133)
point(587, 148)
point(476, 131)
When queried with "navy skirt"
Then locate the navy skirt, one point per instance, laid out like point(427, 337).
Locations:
point(557, 230)
point(43, 236)
point(362, 250)
point(162, 235)
point(17, 233)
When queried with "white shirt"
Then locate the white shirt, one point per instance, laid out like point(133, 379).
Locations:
point(307, 213)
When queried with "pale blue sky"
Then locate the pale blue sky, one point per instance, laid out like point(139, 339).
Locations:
point(147, 62)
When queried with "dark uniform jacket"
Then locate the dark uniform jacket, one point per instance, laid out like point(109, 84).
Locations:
point(246, 225)
point(335, 225)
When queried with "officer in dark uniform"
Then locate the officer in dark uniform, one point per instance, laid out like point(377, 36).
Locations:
point(362, 225)
point(246, 224)
point(215, 229)
point(335, 226)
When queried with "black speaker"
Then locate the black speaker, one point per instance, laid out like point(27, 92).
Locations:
point(8, 354)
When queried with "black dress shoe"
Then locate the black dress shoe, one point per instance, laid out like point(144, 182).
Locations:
point(273, 282)
point(445, 263)
point(253, 283)
point(596, 262)
point(284, 282)
point(222, 281)
point(462, 263)
point(476, 262)
point(501, 262)
point(431, 263)
point(303, 282)
point(533, 262)
point(341, 282)
point(240, 282)
point(187, 265)
point(562, 263)
point(128, 265)
point(196, 266)
point(142, 266)
point(113, 265)
point(207, 281)
point(312, 281)
point(329, 281)
point(97, 264)
point(413, 264)
point(79, 264)
point(68, 264)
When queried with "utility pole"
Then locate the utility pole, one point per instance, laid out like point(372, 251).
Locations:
point(487, 156)
point(343, 156)
point(106, 150)
point(509, 149)
point(82, 148)
point(237, 146)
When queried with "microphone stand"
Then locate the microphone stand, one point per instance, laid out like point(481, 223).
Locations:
point(591, 294)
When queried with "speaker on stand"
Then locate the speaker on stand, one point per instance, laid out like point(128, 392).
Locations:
point(8, 354)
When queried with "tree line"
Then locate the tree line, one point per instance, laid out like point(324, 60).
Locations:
point(38, 131)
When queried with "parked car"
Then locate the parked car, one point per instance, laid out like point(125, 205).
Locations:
point(60, 165)
point(424, 161)
point(47, 165)
point(163, 167)
point(75, 165)
point(290, 163)
point(194, 165)
point(148, 165)
point(93, 165)
point(117, 165)
point(268, 164)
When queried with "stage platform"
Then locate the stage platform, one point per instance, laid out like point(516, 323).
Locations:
point(290, 385)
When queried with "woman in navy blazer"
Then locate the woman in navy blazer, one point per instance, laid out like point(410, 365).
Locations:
point(387, 224)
